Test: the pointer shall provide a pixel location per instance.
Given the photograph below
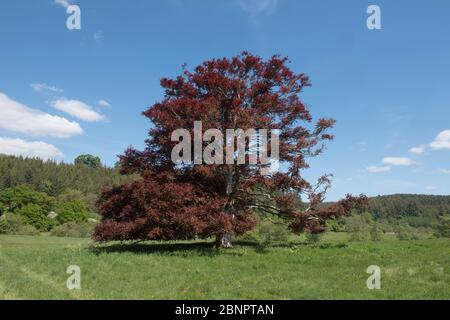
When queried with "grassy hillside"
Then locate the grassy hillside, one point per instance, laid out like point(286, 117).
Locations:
point(35, 268)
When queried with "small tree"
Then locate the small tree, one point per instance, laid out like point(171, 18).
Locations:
point(198, 199)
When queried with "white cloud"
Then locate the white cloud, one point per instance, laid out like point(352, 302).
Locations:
point(398, 161)
point(445, 171)
point(375, 169)
point(17, 117)
point(38, 87)
point(30, 149)
point(430, 188)
point(418, 150)
point(442, 141)
point(104, 103)
point(63, 3)
point(256, 7)
point(78, 109)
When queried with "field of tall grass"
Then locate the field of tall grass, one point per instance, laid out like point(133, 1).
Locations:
point(34, 267)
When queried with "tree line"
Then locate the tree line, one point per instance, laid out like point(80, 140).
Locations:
point(415, 209)
point(54, 178)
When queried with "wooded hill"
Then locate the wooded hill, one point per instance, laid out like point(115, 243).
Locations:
point(53, 178)
point(417, 210)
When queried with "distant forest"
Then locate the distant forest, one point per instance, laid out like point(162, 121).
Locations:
point(415, 209)
point(53, 178)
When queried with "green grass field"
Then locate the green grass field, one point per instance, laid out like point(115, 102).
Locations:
point(35, 268)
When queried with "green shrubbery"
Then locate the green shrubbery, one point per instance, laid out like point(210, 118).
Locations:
point(31, 189)
point(363, 228)
point(266, 232)
point(26, 211)
point(357, 227)
point(27, 230)
point(313, 238)
point(442, 227)
point(13, 199)
point(10, 223)
point(376, 232)
point(405, 232)
point(74, 230)
point(269, 232)
point(36, 216)
point(336, 225)
point(14, 224)
point(72, 211)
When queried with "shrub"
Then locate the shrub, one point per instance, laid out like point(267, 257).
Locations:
point(359, 236)
point(442, 227)
point(367, 218)
point(251, 236)
point(405, 232)
point(10, 223)
point(27, 230)
point(266, 232)
point(14, 224)
point(269, 231)
point(74, 230)
point(72, 211)
point(36, 216)
point(358, 228)
point(356, 224)
point(376, 233)
point(336, 225)
point(313, 237)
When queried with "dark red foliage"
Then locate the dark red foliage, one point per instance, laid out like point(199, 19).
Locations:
point(186, 201)
point(159, 208)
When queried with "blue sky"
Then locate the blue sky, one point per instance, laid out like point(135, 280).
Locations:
point(67, 92)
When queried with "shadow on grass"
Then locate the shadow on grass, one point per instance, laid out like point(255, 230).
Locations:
point(205, 248)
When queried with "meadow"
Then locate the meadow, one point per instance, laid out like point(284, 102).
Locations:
point(34, 267)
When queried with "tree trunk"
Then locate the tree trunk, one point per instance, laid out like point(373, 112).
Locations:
point(224, 240)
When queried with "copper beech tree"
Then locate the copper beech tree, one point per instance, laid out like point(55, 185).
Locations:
point(174, 201)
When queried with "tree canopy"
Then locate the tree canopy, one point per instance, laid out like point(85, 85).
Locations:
point(88, 160)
